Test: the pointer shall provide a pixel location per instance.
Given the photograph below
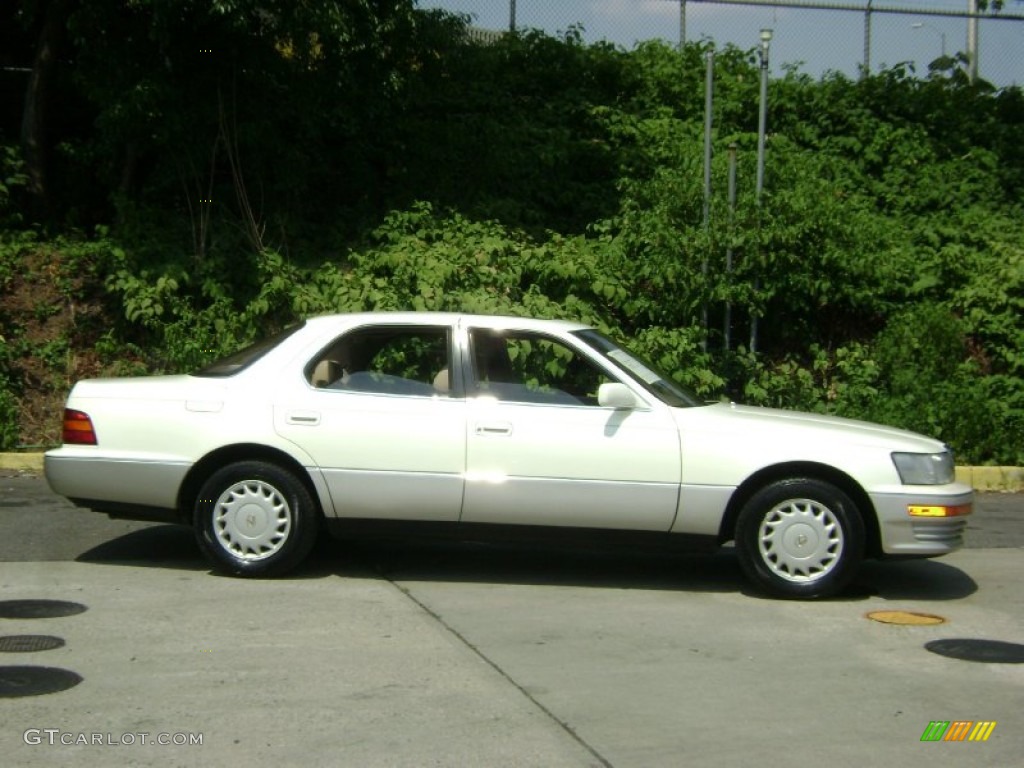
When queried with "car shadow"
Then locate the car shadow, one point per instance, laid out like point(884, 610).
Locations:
point(916, 580)
point(401, 560)
point(716, 572)
point(174, 547)
point(156, 546)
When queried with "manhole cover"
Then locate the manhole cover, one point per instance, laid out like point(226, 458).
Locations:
point(913, 618)
point(35, 681)
point(29, 643)
point(989, 651)
point(38, 609)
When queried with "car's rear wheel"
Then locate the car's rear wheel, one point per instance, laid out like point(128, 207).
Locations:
point(254, 518)
point(801, 538)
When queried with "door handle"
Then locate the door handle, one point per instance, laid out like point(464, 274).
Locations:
point(496, 428)
point(303, 418)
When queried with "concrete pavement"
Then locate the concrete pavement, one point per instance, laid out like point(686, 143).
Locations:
point(408, 655)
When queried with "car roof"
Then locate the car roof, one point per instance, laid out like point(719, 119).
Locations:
point(451, 318)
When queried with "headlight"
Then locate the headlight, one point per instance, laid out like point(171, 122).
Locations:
point(925, 468)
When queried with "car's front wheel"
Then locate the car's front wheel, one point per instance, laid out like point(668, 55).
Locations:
point(800, 538)
point(253, 518)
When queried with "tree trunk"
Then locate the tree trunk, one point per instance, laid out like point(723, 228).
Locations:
point(35, 138)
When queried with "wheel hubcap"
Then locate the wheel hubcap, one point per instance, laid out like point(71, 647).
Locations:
point(800, 540)
point(252, 520)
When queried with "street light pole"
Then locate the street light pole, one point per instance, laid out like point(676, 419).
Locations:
point(972, 40)
point(709, 100)
point(762, 120)
point(682, 24)
point(727, 320)
point(867, 41)
point(941, 34)
point(762, 117)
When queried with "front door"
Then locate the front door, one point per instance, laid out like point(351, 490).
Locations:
point(541, 451)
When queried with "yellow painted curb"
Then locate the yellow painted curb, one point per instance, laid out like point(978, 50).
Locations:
point(992, 478)
point(25, 462)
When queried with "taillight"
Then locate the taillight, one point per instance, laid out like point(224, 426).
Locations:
point(78, 428)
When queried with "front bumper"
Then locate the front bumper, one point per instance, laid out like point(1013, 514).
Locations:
point(923, 536)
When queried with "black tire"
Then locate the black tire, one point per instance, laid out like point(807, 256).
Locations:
point(800, 538)
point(254, 518)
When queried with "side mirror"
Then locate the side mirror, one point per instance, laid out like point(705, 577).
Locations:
point(616, 395)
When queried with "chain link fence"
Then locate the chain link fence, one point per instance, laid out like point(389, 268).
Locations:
point(815, 36)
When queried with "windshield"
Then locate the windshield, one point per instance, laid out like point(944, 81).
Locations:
point(236, 361)
point(654, 381)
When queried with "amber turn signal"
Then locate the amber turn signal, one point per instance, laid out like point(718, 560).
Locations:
point(937, 510)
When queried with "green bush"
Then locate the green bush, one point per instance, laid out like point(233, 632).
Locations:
point(404, 168)
point(918, 375)
point(9, 431)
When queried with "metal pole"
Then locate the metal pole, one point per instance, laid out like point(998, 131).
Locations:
point(727, 322)
point(762, 116)
point(939, 32)
point(709, 95)
point(682, 24)
point(762, 120)
point(972, 40)
point(867, 40)
point(512, 16)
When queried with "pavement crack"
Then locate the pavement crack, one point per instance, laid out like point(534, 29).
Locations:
point(568, 729)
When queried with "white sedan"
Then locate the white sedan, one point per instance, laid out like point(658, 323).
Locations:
point(483, 427)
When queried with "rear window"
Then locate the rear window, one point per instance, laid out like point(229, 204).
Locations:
point(243, 358)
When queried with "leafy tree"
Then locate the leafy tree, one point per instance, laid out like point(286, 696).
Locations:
point(249, 162)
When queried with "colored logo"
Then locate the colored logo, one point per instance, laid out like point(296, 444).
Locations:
point(958, 730)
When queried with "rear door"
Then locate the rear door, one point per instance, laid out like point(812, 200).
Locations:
point(379, 415)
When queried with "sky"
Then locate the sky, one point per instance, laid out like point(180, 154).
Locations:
point(818, 41)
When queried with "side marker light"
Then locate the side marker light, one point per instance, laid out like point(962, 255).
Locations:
point(938, 510)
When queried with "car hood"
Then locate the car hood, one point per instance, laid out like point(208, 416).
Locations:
point(751, 422)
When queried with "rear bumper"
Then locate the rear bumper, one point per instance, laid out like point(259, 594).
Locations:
point(114, 485)
point(904, 534)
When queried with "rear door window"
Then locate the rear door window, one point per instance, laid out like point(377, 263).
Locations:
point(388, 360)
